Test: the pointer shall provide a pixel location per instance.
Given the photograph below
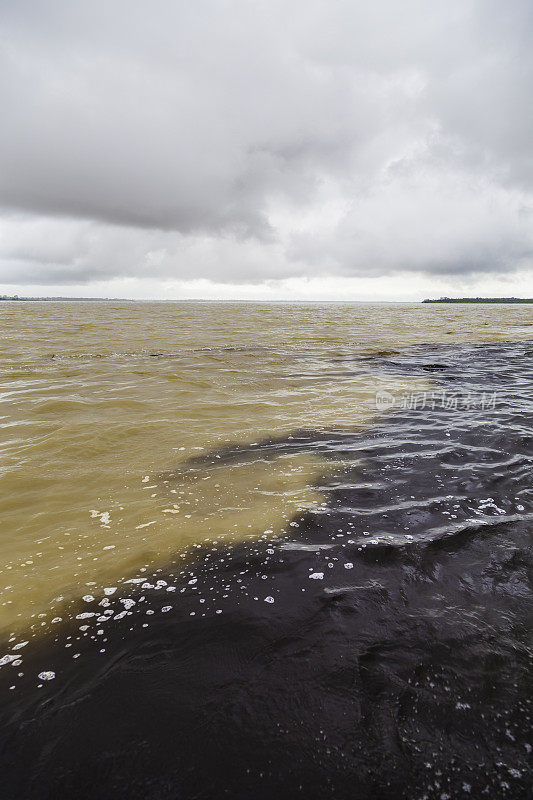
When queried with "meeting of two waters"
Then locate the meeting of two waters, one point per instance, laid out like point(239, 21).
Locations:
point(169, 464)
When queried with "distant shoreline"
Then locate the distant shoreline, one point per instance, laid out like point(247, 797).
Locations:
point(481, 300)
point(17, 299)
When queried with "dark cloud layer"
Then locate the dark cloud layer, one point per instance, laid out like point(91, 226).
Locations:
point(248, 141)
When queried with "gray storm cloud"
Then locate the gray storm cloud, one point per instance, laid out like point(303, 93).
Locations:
point(251, 141)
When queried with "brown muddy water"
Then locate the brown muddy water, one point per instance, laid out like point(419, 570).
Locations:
point(192, 452)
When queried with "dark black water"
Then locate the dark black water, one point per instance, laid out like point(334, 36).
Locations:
point(383, 650)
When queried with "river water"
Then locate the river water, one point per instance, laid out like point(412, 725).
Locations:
point(265, 550)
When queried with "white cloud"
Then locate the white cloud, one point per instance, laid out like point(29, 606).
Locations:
point(242, 143)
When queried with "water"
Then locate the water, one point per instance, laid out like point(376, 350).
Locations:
point(238, 576)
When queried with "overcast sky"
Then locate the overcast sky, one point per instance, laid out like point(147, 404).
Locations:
point(335, 149)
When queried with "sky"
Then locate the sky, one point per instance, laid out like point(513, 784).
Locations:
point(266, 149)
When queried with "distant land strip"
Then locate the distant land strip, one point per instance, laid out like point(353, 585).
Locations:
point(481, 300)
point(16, 298)
point(69, 299)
